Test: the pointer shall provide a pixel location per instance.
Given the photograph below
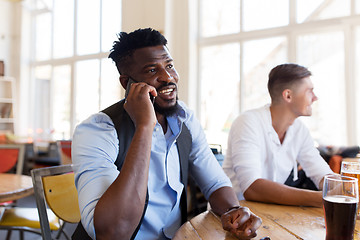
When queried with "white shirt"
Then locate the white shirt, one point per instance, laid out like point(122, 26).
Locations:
point(255, 151)
point(94, 151)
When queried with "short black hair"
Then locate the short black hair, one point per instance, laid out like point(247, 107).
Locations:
point(128, 42)
point(285, 76)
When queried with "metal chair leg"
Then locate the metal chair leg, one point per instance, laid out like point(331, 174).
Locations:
point(21, 233)
point(62, 231)
point(8, 235)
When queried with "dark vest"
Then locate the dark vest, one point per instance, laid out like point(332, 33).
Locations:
point(125, 130)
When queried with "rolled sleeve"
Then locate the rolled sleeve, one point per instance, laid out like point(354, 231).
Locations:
point(244, 153)
point(94, 151)
point(311, 161)
point(205, 169)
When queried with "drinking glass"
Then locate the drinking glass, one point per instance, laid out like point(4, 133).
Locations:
point(340, 199)
point(351, 167)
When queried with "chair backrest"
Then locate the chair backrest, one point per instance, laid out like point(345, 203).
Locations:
point(65, 151)
point(12, 155)
point(55, 187)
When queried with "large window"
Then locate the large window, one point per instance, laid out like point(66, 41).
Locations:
point(218, 85)
point(73, 76)
point(240, 41)
point(329, 111)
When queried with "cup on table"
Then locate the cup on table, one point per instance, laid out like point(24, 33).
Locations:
point(340, 199)
point(351, 167)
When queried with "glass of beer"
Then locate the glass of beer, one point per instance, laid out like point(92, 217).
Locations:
point(340, 199)
point(351, 167)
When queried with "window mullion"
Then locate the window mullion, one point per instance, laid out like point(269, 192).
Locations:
point(100, 50)
point(292, 12)
point(351, 103)
point(241, 16)
point(73, 80)
point(241, 84)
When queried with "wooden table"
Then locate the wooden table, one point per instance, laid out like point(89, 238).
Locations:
point(14, 186)
point(278, 222)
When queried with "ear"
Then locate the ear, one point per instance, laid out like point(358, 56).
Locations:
point(124, 80)
point(287, 95)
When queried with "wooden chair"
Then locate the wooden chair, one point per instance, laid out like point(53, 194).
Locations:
point(18, 218)
point(55, 187)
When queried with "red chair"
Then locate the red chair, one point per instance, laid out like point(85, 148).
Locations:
point(19, 218)
point(65, 151)
point(11, 155)
point(11, 160)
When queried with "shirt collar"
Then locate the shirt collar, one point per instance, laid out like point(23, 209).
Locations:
point(176, 120)
point(270, 129)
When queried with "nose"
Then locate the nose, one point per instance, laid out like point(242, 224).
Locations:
point(165, 76)
point(315, 98)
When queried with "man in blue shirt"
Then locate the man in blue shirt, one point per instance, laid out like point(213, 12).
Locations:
point(131, 161)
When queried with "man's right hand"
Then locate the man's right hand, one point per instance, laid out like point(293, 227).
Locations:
point(139, 106)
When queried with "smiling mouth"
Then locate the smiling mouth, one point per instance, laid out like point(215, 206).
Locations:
point(167, 91)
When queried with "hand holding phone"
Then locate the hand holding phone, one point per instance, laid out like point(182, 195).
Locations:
point(128, 86)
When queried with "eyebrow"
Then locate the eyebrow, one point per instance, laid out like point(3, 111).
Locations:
point(154, 64)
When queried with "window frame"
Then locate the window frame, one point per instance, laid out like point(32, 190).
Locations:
point(347, 25)
point(70, 61)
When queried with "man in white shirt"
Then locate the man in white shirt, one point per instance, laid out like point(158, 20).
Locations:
point(266, 144)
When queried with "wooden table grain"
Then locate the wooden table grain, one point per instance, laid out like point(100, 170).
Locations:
point(278, 222)
point(14, 186)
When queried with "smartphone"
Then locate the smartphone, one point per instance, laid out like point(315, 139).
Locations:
point(131, 81)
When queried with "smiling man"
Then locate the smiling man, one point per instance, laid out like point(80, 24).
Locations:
point(133, 159)
point(266, 145)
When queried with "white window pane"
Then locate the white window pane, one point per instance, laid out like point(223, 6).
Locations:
point(110, 84)
point(61, 102)
point(335, 8)
point(357, 82)
point(87, 89)
point(260, 56)
point(88, 27)
point(43, 72)
point(218, 18)
point(43, 4)
point(219, 84)
point(43, 37)
point(328, 123)
point(63, 28)
point(42, 102)
point(261, 14)
point(309, 10)
point(111, 22)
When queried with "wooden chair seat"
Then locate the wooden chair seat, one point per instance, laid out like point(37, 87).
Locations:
point(60, 194)
point(27, 217)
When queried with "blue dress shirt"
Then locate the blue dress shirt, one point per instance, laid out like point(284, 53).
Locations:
point(95, 149)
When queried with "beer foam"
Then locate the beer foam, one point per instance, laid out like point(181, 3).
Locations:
point(340, 199)
point(350, 171)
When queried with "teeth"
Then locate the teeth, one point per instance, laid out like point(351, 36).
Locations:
point(166, 91)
